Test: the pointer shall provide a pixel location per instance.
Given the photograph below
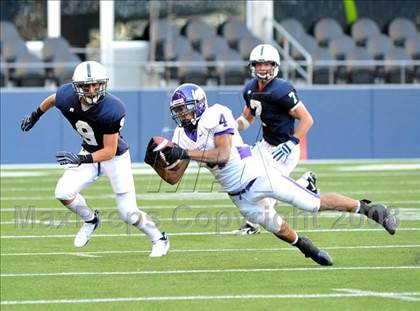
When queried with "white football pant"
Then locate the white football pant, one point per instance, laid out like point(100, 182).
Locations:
point(252, 203)
point(118, 171)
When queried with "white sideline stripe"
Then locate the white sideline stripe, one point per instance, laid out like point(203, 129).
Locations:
point(189, 195)
point(154, 272)
point(401, 296)
point(114, 235)
point(216, 250)
point(351, 293)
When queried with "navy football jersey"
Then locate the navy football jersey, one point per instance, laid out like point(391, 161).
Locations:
point(272, 107)
point(105, 117)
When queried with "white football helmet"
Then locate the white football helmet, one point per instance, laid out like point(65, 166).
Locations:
point(264, 53)
point(88, 73)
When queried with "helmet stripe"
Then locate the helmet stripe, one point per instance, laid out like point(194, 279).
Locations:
point(262, 50)
point(88, 70)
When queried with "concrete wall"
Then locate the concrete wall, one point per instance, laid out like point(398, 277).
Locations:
point(355, 122)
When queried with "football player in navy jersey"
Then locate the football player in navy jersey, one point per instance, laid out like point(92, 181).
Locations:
point(98, 117)
point(276, 104)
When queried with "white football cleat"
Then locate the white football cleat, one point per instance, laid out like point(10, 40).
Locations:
point(85, 233)
point(160, 247)
point(247, 229)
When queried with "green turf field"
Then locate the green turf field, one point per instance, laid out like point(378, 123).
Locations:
point(209, 268)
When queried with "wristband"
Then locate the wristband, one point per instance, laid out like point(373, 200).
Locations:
point(295, 140)
point(244, 121)
point(38, 113)
point(86, 158)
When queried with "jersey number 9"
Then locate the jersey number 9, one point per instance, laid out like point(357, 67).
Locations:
point(86, 132)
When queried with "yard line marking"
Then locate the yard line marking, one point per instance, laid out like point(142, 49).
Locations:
point(27, 217)
point(396, 295)
point(323, 184)
point(84, 255)
point(400, 296)
point(215, 250)
point(25, 223)
point(194, 233)
point(154, 272)
point(60, 209)
point(188, 195)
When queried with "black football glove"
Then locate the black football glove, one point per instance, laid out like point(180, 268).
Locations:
point(65, 157)
point(175, 153)
point(29, 121)
point(150, 156)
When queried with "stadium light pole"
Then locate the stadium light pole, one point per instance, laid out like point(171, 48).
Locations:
point(54, 18)
point(259, 17)
point(106, 26)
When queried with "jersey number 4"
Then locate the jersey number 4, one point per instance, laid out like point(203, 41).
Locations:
point(86, 131)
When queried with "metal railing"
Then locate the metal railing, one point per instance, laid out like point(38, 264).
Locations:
point(285, 52)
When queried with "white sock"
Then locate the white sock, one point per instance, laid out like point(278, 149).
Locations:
point(358, 207)
point(149, 228)
point(126, 203)
point(79, 206)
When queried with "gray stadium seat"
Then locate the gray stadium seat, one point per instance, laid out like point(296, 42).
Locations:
point(378, 45)
point(230, 73)
point(321, 73)
point(29, 76)
point(309, 43)
point(246, 45)
point(162, 30)
point(63, 74)
point(12, 48)
point(293, 27)
point(190, 72)
point(53, 47)
point(394, 72)
point(233, 31)
point(3, 72)
point(196, 31)
point(340, 46)
point(363, 29)
point(8, 31)
point(412, 48)
point(326, 29)
point(212, 46)
point(174, 48)
point(401, 29)
point(357, 73)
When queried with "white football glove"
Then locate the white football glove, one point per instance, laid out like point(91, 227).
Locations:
point(282, 151)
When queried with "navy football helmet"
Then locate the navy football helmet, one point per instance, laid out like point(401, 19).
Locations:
point(188, 98)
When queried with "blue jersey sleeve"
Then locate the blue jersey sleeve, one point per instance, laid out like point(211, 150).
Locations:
point(284, 95)
point(64, 96)
point(114, 114)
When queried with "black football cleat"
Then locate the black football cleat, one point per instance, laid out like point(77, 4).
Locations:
point(379, 213)
point(306, 246)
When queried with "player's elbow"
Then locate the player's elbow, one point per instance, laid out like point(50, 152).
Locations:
point(309, 121)
point(223, 158)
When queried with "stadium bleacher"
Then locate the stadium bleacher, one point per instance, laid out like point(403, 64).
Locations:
point(338, 56)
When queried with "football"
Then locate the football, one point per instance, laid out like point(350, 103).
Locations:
point(161, 143)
